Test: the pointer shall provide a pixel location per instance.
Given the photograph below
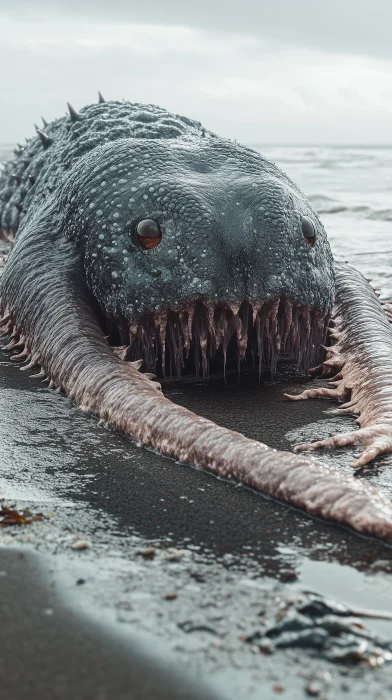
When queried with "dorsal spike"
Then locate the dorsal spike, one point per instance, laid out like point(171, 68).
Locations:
point(100, 98)
point(26, 162)
point(16, 178)
point(45, 123)
point(31, 180)
point(46, 141)
point(73, 113)
point(36, 126)
point(19, 207)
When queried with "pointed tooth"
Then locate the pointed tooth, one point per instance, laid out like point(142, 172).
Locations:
point(306, 317)
point(132, 333)
point(219, 316)
point(288, 317)
point(161, 321)
point(228, 331)
point(203, 348)
point(191, 314)
point(185, 331)
point(211, 327)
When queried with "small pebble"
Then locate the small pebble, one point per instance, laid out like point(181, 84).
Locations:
point(313, 689)
point(289, 576)
point(175, 556)
point(80, 544)
point(266, 647)
point(170, 596)
point(278, 688)
point(148, 553)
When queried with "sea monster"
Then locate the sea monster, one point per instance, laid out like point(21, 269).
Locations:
point(144, 245)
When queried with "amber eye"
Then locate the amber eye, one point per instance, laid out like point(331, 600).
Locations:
point(148, 233)
point(308, 229)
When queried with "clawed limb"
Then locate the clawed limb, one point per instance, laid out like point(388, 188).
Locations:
point(320, 393)
point(376, 440)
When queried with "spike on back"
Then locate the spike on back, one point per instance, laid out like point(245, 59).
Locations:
point(101, 99)
point(73, 113)
point(45, 140)
point(45, 123)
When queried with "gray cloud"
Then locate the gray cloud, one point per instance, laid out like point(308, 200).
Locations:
point(272, 72)
point(354, 26)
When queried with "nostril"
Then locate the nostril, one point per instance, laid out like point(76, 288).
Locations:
point(309, 230)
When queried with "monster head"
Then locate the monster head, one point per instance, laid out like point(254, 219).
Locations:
point(200, 242)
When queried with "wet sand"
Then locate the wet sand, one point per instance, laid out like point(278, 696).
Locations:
point(187, 565)
point(50, 651)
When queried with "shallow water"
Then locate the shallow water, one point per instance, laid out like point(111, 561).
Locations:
point(101, 486)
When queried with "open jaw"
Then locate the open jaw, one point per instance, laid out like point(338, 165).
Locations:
point(48, 313)
point(173, 342)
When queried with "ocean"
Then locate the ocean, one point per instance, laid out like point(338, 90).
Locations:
point(350, 187)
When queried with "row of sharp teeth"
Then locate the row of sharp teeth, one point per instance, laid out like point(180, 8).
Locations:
point(266, 331)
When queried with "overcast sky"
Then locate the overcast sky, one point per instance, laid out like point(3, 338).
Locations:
point(261, 71)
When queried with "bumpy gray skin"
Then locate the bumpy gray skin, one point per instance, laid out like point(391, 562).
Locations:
point(233, 262)
point(232, 220)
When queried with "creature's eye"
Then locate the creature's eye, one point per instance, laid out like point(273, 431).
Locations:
point(148, 233)
point(309, 230)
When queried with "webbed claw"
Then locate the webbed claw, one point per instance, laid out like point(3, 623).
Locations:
point(362, 357)
point(377, 440)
